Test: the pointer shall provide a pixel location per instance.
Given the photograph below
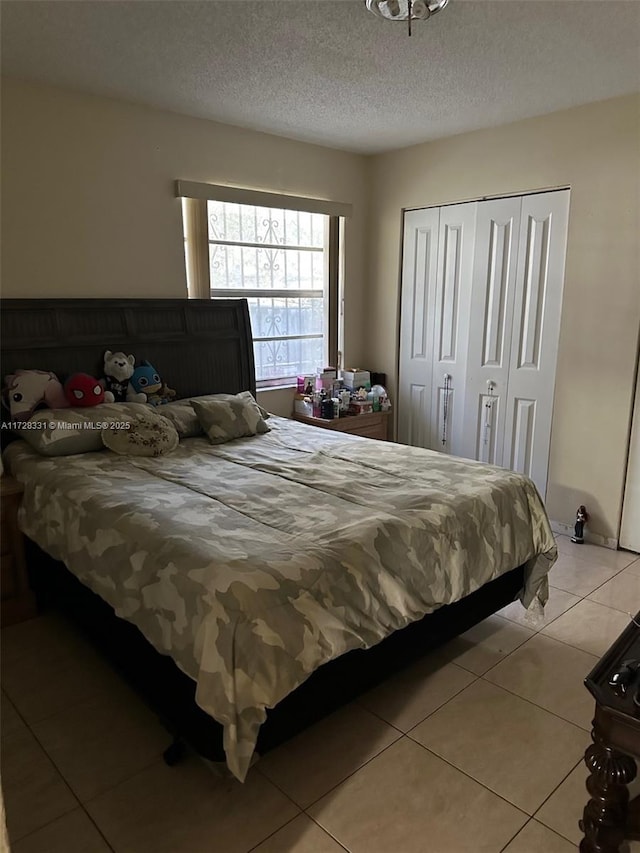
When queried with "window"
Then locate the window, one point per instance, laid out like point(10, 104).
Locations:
point(285, 262)
point(278, 260)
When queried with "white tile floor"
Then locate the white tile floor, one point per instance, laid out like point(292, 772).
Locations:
point(477, 748)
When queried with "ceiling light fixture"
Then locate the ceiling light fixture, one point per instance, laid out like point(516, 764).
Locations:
point(405, 10)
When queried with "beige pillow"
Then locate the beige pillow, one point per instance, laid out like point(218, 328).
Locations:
point(63, 432)
point(148, 434)
point(235, 417)
point(185, 420)
point(243, 395)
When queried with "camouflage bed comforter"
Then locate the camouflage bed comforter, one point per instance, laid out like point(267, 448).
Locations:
point(254, 562)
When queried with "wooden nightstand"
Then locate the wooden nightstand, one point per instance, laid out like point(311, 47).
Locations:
point(17, 600)
point(374, 425)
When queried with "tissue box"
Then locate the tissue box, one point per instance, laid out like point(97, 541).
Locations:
point(354, 378)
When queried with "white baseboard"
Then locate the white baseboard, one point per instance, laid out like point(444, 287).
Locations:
point(593, 538)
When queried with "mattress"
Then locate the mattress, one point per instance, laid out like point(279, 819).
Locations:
point(254, 562)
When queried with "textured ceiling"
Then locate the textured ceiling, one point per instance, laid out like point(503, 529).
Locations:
point(328, 71)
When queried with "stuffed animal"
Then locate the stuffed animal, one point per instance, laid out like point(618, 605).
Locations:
point(164, 395)
point(118, 369)
point(146, 380)
point(28, 390)
point(83, 390)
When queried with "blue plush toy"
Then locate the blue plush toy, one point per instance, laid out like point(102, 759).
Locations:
point(146, 380)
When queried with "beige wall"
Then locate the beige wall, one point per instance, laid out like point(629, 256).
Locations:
point(88, 205)
point(594, 149)
point(88, 209)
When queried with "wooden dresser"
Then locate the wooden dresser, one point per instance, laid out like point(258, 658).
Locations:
point(614, 683)
point(374, 425)
point(17, 600)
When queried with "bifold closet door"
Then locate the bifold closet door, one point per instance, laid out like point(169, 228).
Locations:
point(492, 298)
point(434, 329)
point(542, 243)
point(480, 321)
point(417, 312)
point(456, 241)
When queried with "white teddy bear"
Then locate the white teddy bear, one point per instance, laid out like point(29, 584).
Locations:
point(118, 370)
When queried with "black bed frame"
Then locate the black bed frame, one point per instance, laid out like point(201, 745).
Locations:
point(198, 347)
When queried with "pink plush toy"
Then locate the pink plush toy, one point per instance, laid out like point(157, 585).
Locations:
point(28, 389)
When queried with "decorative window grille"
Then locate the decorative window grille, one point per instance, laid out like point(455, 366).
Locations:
point(277, 259)
point(284, 261)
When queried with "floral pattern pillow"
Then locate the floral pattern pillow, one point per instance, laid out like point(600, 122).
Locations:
point(147, 435)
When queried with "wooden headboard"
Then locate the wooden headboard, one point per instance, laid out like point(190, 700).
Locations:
point(199, 346)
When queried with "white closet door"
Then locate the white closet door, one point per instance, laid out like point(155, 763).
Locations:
point(492, 299)
point(536, 328)
point(451, 332)
point(630, 530)
point(417, 312)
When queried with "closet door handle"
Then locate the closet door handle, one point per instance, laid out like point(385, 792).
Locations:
point(445, 406)
point(488, 409)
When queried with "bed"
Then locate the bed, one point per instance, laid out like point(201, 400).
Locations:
point(249, 588)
